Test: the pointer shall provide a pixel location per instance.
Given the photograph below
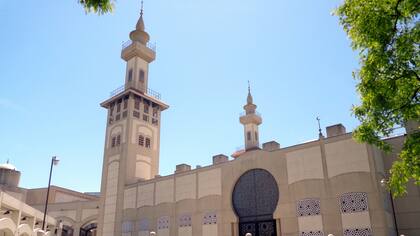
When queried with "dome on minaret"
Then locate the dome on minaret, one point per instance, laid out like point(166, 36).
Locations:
point(139, 34)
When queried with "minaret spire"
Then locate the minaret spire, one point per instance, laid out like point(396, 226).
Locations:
point(139, 34)
point(141, 9)
point(251, 120)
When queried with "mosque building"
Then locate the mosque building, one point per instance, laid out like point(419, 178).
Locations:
point(331, 185)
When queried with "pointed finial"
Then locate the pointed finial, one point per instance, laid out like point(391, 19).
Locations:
point(249, 99)
point(319, 127)
point(141, 10)
point(139, 34)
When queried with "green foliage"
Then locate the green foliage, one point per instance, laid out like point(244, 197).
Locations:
point(386, 33)
point(98, 6)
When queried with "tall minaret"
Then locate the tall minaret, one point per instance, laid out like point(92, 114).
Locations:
point(250, 119)
point(132, 136)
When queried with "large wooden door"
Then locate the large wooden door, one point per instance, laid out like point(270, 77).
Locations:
point(254, 198)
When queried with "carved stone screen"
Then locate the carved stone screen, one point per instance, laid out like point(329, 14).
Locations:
point(354, 202)
point(255, 196)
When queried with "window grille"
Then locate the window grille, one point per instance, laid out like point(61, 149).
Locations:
point(141, 140)
point(210, 218)
point(353, 202)
point(147, 143)
point(185, 220)
point(308, 207)
point(118, 142)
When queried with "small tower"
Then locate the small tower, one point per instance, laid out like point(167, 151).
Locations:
point(138, 53)
point(132, 136)
point(251, 120)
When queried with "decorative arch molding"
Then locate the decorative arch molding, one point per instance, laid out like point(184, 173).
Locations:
point(116, 130)
point(147, 131)
point(90, 220)
point(24, 230)
point(8, 225)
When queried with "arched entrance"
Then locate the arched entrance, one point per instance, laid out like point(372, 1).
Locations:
point(88, 230)
point(254, 200)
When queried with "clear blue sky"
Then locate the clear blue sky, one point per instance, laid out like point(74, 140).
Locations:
point(58, 63)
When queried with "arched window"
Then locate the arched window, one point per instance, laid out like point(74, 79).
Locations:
point(141, 76)
point(130, 75)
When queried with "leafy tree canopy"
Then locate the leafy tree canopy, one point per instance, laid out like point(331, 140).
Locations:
point(386, 33)
point(97, 6)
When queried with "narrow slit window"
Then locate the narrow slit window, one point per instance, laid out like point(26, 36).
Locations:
point(130, 75)
point(248, 135)
point(141, 140)
point(137, 104)
point(256, 136)
point(113, 142)
point(147, 143)
point(141, 76)
point(118, 142)
point(125, 103)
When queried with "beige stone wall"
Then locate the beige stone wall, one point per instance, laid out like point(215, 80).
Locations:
point(300, 174)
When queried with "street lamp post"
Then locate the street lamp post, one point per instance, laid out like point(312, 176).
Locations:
point(383, 184)
point(54, 162)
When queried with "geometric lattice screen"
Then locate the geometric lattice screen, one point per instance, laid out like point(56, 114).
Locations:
point(312, 233)
point(308, 207)
point(353, 202)
point(358, 232)
point(163, 222)
point(184, 220)
point(210, 218)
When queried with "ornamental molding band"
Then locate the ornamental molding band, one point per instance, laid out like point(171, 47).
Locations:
point(312, 233)
point(358, 232)
point(308, 207)
point(353, 202)
point(185, 220)
point(210, 218)
point(163, 222)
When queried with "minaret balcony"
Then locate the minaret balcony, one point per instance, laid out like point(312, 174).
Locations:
point(122, 88)
point(151, 46)
point(248, 118)
point(131, 49)
point(244, 113)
